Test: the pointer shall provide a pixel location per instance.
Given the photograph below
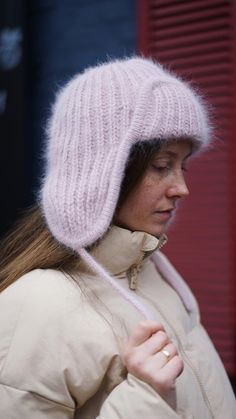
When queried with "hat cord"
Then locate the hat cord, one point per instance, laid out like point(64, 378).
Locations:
point(106, 276)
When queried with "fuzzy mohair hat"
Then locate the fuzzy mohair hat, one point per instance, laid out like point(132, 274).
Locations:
point(95, 120)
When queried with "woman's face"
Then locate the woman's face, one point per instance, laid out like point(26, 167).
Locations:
point(152, 203)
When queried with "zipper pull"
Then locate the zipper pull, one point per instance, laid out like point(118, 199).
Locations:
point(162, 241)
point(132, 274)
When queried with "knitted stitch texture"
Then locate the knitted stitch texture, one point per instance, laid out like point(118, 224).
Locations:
point(96, 119)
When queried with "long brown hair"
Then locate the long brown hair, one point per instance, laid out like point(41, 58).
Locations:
point(30, 245)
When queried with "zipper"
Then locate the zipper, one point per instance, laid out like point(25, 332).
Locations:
point(132, 272)
point(185, 357)
point(162, 241)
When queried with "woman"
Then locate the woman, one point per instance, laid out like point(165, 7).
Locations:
point(97, 322)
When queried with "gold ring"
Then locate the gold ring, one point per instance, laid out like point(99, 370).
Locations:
point(166, 353)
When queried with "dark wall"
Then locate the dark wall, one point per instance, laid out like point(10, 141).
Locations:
point(65, 37)
point(59, 39)
point(12, 108)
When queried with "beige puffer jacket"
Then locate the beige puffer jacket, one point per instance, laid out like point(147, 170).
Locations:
point(60, 343)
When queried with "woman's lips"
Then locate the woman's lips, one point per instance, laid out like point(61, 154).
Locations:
point(164, 215)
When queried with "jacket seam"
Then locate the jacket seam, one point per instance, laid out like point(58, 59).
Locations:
point(38, 395)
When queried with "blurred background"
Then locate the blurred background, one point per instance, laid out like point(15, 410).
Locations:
point(45, 42)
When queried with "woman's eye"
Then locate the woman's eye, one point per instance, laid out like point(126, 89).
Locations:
point(161, 168)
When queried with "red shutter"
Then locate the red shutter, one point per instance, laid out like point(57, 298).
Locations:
point(196, 39)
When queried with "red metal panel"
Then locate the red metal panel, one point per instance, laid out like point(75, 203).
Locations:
point(180, 7)
point(195, 38)
point(186, 15)
point(181, 50)
point(233, 154)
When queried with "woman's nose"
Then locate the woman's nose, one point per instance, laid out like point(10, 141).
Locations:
point(179, 187)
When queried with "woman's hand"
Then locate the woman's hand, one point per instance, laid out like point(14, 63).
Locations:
point(143, 357)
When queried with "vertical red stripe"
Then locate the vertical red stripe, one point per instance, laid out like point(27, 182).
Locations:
point(233, 162)
point(143, 20)
point(197, 39)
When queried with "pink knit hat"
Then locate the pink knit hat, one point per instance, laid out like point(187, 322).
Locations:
point(96, 119)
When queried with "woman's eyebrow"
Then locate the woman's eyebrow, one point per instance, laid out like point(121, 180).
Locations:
point(172, 154)
point(188, 155)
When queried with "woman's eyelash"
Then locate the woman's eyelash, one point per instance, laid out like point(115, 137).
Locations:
point(161, 168)
point(166, 168)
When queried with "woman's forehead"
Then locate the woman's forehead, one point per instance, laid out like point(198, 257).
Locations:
point(178, 148)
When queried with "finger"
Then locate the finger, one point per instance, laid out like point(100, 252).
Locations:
point(159, 359)
point(165, 378)
point(143, 331)
point(162, 358)
point(173, 368)
point(169, 351)
point(160, 372)
point(155, 343)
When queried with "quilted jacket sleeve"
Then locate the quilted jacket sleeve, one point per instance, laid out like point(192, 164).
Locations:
point(47, 367)
point(24, 404)
point(135, 399)
point(130, 399)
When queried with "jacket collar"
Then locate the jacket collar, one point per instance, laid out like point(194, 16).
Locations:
point(120, 249)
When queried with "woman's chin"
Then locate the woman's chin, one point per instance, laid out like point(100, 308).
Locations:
point(155, 230)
